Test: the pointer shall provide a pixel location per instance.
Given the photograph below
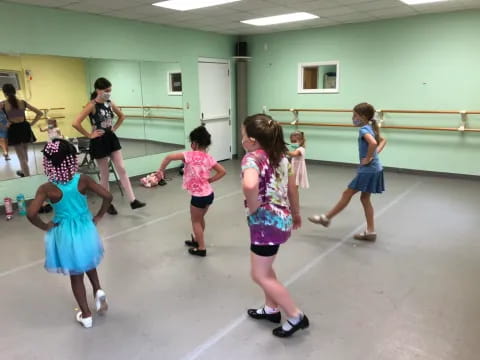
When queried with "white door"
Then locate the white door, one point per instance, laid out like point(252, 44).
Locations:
point(214, 89)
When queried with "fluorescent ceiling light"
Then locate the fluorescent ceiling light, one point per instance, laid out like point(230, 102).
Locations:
point(280, 19)
point(184, 5)
point(420, 2)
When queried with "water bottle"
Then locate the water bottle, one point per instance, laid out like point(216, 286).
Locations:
point(22, 208)
point(75, 143)
point(7, 202)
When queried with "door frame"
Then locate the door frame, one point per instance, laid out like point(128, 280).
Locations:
point(228, 63)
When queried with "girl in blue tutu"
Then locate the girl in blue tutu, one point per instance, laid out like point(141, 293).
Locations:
point(369, 179)
point(72, 243)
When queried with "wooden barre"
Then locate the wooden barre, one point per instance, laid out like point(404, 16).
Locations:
point(385, 111)
point(164, 117)
point(50, 117)
point(151, 107)
point(45, 109)
point(163, 107)
point(154, 117)
point(313, 110)
point(429, 112)
point(383, 127)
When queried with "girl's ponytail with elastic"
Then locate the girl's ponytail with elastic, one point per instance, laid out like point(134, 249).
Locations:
point(93, 95)
point(376, 129)
point(269, 134)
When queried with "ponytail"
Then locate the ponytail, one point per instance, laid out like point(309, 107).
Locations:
point(376, 130)
point(9, 91)
point(368, 112)
point(93, 95)
point(269, 134)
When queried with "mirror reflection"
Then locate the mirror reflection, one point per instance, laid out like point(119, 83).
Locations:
point(53, 90)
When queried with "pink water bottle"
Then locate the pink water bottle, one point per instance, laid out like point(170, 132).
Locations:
point(8, 208)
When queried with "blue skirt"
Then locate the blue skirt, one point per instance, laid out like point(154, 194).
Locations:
point(73, 247)
point(369, 182)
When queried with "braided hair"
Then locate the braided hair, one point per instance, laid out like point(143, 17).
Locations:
point(60, 161)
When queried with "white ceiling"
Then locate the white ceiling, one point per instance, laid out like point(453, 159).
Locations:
point(226, 18)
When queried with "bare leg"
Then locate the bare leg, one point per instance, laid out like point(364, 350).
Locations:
point(198, 225)
point(268, 300)
point(275, 293)
point(79, 292)
point(342, 203)
point(4, 146)
point(104, 173)
point(369, 212)
point(117, 160)
point(22, 153)
point(93, 277)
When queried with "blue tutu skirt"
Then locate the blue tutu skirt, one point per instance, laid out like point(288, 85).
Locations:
point(73, 247)
point(369, 182)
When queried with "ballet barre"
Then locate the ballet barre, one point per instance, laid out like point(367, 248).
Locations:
point(380, 117)
point(154, 117)
point(383, 127)
point(475, 112)
point(151, 107)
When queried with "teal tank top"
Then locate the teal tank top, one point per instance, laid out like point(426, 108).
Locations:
point(73, 203)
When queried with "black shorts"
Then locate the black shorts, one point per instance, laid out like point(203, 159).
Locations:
point(202, 202)
point(264, 250)
point(104, 145)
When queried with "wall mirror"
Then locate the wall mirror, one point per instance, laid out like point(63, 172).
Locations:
point(61, 86)
point(318, 77)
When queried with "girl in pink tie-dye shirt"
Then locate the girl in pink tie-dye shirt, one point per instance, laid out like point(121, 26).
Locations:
point(197, 180)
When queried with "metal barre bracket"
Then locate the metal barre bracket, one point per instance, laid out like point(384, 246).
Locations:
point(463, 119)
point(379, 116)
point(295, 120)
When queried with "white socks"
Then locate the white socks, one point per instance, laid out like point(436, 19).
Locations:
point(293, 320)
point(268, 310)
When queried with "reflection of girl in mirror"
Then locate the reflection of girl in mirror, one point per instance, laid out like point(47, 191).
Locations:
point(20, 132)
point(3, 134)
point(104, 144)
point(52, 129)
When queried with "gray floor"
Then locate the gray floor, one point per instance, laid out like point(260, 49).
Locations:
point(413, 294)
point(130, 149)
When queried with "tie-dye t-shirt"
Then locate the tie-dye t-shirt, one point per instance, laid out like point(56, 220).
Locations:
point(198, 165)
point(272, 223)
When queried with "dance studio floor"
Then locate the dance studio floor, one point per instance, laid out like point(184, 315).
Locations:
point(413, 294)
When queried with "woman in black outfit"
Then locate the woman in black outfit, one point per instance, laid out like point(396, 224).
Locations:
point(20, 132)
point(104, 144)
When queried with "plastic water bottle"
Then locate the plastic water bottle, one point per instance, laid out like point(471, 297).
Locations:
point(22, 208)
point(7, 202)
point(75, 143)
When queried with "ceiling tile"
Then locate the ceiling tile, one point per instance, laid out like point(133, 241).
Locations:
point(226, 18)
point(394, 12)
point(336, 11)
point(353, 18)
point(375, 5)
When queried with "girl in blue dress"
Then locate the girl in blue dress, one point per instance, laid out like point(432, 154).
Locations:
point(369, 179)
point(72, 243)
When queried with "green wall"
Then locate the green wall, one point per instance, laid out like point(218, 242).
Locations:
point(423, 62)
point(39, 30)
